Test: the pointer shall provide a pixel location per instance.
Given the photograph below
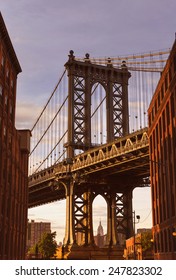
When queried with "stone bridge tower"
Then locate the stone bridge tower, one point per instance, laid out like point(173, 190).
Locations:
point(80, 193)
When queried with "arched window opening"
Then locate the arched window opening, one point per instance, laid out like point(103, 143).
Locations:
point(100, 221)
point(98, 115)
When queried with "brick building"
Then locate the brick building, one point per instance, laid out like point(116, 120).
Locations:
point(14, 149)
point(136, 247)
point(162, 137)
point(35, 232)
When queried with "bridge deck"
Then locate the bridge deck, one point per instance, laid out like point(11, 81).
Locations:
point(126, 157)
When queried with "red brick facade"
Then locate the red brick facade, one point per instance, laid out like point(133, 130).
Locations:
point(14, 149)
point(162, 137)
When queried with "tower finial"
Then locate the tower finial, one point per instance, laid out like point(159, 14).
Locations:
point(109, 62)
point(123, 65)
point(87, 57)
point(71, 55)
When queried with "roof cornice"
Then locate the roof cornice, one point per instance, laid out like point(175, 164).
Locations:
point(5, 36)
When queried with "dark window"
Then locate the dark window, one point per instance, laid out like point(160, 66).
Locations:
point(2, 63)
point(166, 83)
point(168, 114)
point(162, 92)
point(175, 63)
point(158, 99)
point(1, 92)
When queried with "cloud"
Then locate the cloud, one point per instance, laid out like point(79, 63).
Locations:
point(26, 114)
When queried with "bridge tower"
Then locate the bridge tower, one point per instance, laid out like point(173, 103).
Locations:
point(82, 76)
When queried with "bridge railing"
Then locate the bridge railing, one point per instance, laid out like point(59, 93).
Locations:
point(119, 147)
point(47, 174)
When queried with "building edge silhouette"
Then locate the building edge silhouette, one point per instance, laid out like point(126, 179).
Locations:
point(162, 145)
point(14, 150)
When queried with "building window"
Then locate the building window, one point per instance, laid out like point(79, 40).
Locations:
point(6, 101)
point(175, 63)
point(166, 83)
point(11, 112)
point(5, 132)
point(149, 120)
point(0, 90)
point(7, 73)
point(162, 92)
point(7, 76)
point(10, 109)
point(10, 141)
point(2, 61)
point(168, 114)
point(170, 75)
point(158, 99)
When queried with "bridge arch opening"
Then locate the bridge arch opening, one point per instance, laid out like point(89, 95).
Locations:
point(99, 220)
point(98, 114)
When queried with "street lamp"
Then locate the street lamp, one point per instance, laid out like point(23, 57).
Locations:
point(134, 222)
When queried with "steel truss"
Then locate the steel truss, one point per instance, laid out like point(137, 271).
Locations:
point(82, 76)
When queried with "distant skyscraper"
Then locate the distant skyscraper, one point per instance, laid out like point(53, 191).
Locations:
point(100, 230)
point(100, 238)
point(14, 150)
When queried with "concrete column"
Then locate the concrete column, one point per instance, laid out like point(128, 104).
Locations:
point(69, 230)
point(89, 239)
point(112, 238)
point(128, 212)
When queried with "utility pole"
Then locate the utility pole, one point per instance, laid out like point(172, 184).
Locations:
point(134, 222)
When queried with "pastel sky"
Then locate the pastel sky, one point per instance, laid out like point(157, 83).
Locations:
point(43, 32)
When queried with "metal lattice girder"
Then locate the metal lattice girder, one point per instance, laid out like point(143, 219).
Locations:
point(121, 216)
point(117, 110)
point(82, 217)
point(79, 110)
point(80, 212)
point(124, 221)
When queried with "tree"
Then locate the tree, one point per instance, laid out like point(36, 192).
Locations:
point(146, 241)
point(47, 246)
point(33, 250)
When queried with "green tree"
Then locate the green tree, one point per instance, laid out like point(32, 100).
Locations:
point(33, 250)
point(48, 246)
point(146, 241)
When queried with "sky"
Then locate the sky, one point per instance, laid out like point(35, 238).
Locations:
point(43, 32)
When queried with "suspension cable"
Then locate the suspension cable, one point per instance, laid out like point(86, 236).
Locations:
point(49, 125)
point(51, 151)
point(127, 57)
point(48, 101)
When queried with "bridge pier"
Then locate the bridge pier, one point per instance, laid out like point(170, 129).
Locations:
point(79, 228)
point(79, 240)
point(69, 230)
point(112, 237)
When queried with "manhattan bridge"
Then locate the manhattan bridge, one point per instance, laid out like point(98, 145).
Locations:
point(91, 139)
